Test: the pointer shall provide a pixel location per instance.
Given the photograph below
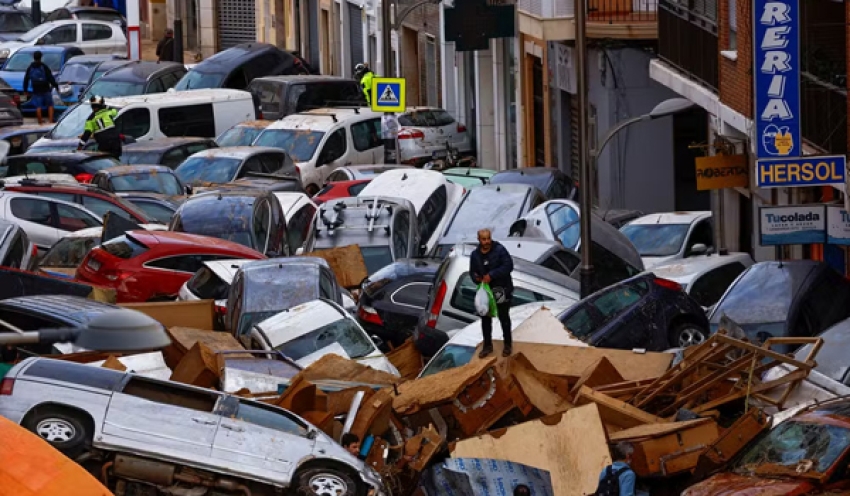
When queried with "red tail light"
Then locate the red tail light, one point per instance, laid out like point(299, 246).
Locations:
point(84, 177)
point(7, 386)
point(368, 314)
point(668, 284)
point(461, 128)
point(34, 251)
point(260, 115)
point(411, 134)
point(115, 275)
point(437, 305)
point(17, 99)
point(220, 310)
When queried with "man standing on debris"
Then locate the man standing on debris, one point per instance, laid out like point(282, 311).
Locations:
point(618, 479)
point(491, 264)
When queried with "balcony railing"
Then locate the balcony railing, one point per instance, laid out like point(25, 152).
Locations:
point(688, 41)
point(548, 9)
point(622, 11)
point(824, 109)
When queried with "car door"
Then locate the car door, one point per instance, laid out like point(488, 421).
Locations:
point(35, 216)
point(701, 233)
point(335, 153)
point(710, 286)
point(166, 418)
point(367, 142)
point(260, 439)
point(96, 38)
point(174, 157)
point(155, 86)
point(626, 318)
point(65, 35)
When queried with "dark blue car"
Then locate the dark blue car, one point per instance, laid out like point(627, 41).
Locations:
point(15, 68)
point(75, 76)
point(642, 312)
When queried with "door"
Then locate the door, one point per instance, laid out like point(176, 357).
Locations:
point(98, 38)
point(260, 439)
point(335, 153)
point(67, 35)
point(136, 417)
point(625, 321)
point(410, 64)
point(367, 142)
point(355, 35)
point(35, 217)
point(537, 115)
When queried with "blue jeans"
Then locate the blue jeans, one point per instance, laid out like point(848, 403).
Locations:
point(42, 100)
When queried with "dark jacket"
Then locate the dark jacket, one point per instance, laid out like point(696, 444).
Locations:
point(165, 49)
point(40, 86)
point(497, 262)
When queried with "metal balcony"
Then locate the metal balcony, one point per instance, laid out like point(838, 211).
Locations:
point(687, 40)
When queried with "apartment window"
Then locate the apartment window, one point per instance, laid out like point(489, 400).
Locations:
point(431, 75)
point(733, 25)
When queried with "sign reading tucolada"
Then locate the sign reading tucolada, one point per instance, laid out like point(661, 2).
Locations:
point(792, 225)
point(837, 225)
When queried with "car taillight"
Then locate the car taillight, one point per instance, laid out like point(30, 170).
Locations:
point(220, 310)
point(411, 134)
point(17, 99)
point(34, 251)
point(368, 314)
point(7, 386)
point(84, 177)
point(461, 128)
point(115, 275)
point(437, 305)
point(298, 171)
point(668, 284)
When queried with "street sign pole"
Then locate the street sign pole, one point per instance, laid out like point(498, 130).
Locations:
point(388, 96)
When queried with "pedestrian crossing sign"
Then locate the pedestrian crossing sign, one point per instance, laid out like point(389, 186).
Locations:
point(388, 95)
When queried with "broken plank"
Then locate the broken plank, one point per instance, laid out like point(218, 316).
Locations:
point(615, 412)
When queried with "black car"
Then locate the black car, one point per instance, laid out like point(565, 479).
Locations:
point(138, 77)
point(169, 152)
point(82, 165)
point(89, 14)
point(392, 298)
point(552, 182)
point(236, 67)
point(10, 102)
point(21, 137)
point(160, 208)
point(14, 22)
point(252, 218)
point(284, 95)
point(157, 179)
point(105, 67)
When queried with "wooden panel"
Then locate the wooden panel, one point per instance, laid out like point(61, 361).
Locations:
point(198, 367)
point(338, 368)
point(346, 263)
point(673, 449)
point(198, 314)
point(407, 359)
point(438, 388)
point(615, 412)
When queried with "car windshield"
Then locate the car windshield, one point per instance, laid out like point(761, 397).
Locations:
point(75, 73)
point(134, 157)
point(34, 33)
point(111, 89)
point(228, 217)
point(376, 257)
point(798, 447)
point(203, 169)
point(239, 136)
point(21, 60)
point(343, 332)
point(194, 80)
point(468, 182)
point(72, 123)
point(151, 182)
point(156, 211)
point(15, 22)
point(299, 144)
point(656, 240)
point(485, 208)
point(69, 252)
point(453, 355)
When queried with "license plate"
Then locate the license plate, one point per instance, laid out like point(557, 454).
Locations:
point(439, 154)
point(93, 264)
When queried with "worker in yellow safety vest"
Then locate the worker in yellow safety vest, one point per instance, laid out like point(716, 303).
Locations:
point(365, 76)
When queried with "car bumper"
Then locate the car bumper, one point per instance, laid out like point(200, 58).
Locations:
point(429, 340)
point(413, 152)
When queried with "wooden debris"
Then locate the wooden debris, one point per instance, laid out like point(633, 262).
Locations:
point(601, 373)
point(438, 388)
point(483, 401)
point(731, 442)
point(184, 338)
point(197, 367)
point(545, 392)
point(199, 314)
point(419, 449)
point(407, 359)
point(337, 368)
point(615, 413)
point(669, 448)
point(373, 417)
point(347, 264)
point(113, 363)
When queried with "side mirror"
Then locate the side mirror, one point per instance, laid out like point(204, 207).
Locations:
point(698, 249)
point(41, 41)
point(378, 341)
point(189, 190)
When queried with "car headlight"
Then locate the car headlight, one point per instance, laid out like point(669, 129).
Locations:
point(4, 53)
point(65, 90)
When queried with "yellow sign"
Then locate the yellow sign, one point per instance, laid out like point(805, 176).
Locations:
point(722, 171)
point(388, 95)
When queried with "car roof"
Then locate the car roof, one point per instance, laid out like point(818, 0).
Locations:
point(171, 238)
point(96, 232)
point(162, 144)
point(304, 79)
point(416, 185)
point(24, 129)
point(235, 56)
point(685, 270)
point(259, 124)
point(91, 8)
point(82, 59)
point(75, 309)
point(66, 156)
point(469, 172)
point(111, 64)
point(240, 152)
point(684, 217)
point(123, 170)
point(138, 69)
point(280, 262)
point(323, 119)
point(186, 97)
point(524, 266)
point(226, 269)
point(282, 328)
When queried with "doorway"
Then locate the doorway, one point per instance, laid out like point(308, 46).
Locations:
point(689, 128)
point(410, 65)
point(325, 29)
point(537, 112)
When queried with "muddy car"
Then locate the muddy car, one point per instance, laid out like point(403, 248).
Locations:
point(211, 443)
point(807, 454)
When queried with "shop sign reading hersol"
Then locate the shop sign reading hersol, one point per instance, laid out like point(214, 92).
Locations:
point(722, 171)
point(792, 225)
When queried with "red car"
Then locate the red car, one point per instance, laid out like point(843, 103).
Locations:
point(340, 189)
point(90, 197)
point(153, 265)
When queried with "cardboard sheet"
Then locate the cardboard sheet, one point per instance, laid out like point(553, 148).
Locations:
point(145, 364)
point(335, 367)
point(550, 444)
point(346, 263)
point(438, 388)
point(198, 314)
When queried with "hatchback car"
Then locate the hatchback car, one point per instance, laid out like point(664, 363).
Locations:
point(158, 208)
point(340, 189)
point(66, 254)
point(136, 78)
point(152, 266)
point(105, 67)
point(705, 277)
point(236, 67)
point(45, 220)
point(93, 37)
point(157, 179)
point(91, 197)
point(552, 182)
point(284, 95)
point(223, 165)
point(242, 134)
point(663, 237)
point(75, 76)
point(82, 165)
point(169, 152)
point(14, 22)
point(252, 218)
point(425, 131)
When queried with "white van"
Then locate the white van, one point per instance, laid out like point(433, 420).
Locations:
point(204, 113)
point(321, 140)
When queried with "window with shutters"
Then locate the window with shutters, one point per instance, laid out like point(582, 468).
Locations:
point(431, 72)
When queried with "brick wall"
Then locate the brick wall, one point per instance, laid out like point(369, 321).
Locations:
point(736, 76)
point(426, 21)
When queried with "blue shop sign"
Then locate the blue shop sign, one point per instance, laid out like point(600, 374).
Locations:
point(777, 78)
point(801, 171)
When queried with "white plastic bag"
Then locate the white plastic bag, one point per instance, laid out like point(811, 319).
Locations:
point(482, 302)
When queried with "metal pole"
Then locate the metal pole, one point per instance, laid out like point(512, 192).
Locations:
point(386, 37)
point(178, 31)
point(586, 271)
point(35, 11)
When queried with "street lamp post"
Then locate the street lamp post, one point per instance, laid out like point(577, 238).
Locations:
point(668, 107)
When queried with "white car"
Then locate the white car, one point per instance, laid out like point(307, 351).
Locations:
point(663, 237)
point(300, 213)
point(433, 196)
point(705, 277)
point(93, 37)
point(321, 140)
point(307, 332)
point(45, 220)
point(424, 133)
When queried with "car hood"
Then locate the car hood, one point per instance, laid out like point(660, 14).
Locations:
point(730, 484)
point(650, 262)
point(9, 37)
point(13, 45)
point(15, 79)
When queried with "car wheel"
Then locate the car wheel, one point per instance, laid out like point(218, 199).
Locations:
point(687, 334)
point(66, 431)
point(326, 482)
point(311, 189)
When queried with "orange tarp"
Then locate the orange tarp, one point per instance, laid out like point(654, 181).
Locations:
point(31, 467)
